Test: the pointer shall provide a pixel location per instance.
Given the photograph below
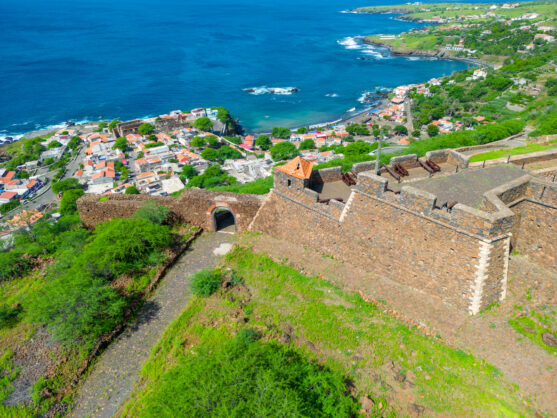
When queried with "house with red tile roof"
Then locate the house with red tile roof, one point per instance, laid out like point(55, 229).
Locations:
point(7, 196)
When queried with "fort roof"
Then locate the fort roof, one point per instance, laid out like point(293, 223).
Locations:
point(298, 167)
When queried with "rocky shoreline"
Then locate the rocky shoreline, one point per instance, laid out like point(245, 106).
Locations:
point(425, 54)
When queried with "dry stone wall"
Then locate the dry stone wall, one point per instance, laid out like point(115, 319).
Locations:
point(193, 206)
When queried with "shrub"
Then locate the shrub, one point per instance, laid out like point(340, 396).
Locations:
point(14, 264)
point(68, 203)
point(205, 282)
point(153, 212)
point(252, 379)
point(246, 336)
point(283, 133)
point(146, 129)
point(66, 184)
point(131, 190)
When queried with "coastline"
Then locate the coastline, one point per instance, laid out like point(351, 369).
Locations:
point(426, 54)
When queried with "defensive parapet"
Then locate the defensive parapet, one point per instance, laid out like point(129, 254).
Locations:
point(456, 253)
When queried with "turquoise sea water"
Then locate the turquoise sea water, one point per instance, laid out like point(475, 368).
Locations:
point(91, 59)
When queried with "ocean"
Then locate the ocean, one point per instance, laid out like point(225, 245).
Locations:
point(90, 60)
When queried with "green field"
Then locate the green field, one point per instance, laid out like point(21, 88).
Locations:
point(339, 330)
point(527, 149)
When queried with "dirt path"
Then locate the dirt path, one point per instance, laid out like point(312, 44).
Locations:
point(112, 378)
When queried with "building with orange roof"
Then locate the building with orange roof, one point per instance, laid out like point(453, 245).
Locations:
point(295, 174)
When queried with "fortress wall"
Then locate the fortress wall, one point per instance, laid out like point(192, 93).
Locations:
point(326, 175)
point(406, 161)
point(535, 233)
point(193, 206)
point(402, 237)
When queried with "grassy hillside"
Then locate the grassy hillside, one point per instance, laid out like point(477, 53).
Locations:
point(391, 368)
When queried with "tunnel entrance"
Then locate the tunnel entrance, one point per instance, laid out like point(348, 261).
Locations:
point(224, 220)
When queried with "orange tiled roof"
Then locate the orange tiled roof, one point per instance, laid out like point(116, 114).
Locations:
point(298, 167)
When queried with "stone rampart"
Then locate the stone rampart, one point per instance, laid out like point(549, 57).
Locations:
point(194, 206)
point(459, 256)
point(449, 156)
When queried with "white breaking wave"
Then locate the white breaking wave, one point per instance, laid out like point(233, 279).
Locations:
point(331, 95)
point(281, 91)
point(352, 109)
point(356, 43)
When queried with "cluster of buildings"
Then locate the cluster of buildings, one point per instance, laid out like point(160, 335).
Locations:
point(13, 188)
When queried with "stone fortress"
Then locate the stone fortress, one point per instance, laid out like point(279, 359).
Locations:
point(435, 224)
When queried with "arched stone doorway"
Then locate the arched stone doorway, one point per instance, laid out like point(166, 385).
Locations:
point(224, 220)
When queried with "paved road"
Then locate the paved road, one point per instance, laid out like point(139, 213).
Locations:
point(113, 376)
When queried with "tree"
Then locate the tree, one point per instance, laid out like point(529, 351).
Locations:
point(66, 184)
point(211, 177)
point(74, 142)
point(121, 143)
point(113, 124)
point(307, 144)
point(432, 130)
point(356, 129)
point(131, 190)
point(283, 151)
point(302, 130)
point(401, 130)
point(376, 133)
point(188, 171)
point(146, 129)
point(228, 153)
point(198, 142)
point(234, 139)
point(203, 124)
point(68, 205)
point(283, 133)
point(54, 144)
point(263, 142)
point(416, 133)
point(210, 154)
point(22, 174)
point(385, 130)
point(212, 141)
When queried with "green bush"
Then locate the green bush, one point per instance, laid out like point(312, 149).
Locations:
point(203, 124)
point(259, 186)
point(205, 282)
point(249, 379)
point(14, 264)
point(66, 184)
point(153, 212)
point(68, 203)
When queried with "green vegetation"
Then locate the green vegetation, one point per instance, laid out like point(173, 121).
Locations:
point(113, 124)
point(307, 144)
point(283, 133)
point(66, 184)
point(205, 282)
point(131, 190)
point(203, 124)
point(121, 143)
point(283, 151)
point(196, 357)
point(260, 186)
point(211, 177)
point(263, 142)
point(527, 149)
point(154, 144)
point(146, 129)
point(356, 129)
point(533, 328)
point(432, 130)
point(6, 207)
point(198, 142)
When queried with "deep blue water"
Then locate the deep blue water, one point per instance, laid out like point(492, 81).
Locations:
point(90, 59)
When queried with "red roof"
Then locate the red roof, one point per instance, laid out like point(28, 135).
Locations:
point(8, 195)
point(298, 167)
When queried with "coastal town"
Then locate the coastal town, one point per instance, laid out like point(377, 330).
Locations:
point(398, 261)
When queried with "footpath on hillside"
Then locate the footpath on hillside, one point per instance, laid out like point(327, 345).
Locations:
point(113, 376)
